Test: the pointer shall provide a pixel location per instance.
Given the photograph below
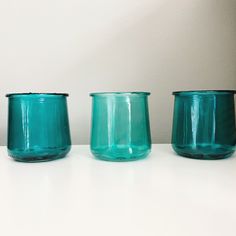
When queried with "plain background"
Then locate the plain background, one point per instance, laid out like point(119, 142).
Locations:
point(82, 46)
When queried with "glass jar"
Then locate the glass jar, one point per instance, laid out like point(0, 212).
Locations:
point(204, 124)
point(120, 126)
point(38, 126)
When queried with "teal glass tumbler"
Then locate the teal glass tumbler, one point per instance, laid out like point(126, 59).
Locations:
point(38, 126)
point(120, 126)
point(204, 124)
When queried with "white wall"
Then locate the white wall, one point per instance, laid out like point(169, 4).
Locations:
point(81, 46)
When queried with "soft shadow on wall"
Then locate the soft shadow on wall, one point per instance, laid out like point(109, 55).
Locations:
point(168, 46)
point(173, 48)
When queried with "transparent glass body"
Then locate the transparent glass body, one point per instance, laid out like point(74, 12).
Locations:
point(38, 127)
point(204, 124)
point(120, 126)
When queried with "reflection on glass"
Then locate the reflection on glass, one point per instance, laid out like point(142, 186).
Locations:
point(204, 124)
point(120, 126)
point(38, 127)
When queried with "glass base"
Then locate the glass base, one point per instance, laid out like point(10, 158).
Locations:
point(39, 154)
point(204, 152)
point(121, 154)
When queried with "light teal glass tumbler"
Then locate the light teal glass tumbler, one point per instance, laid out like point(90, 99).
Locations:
point(38, 126)
point(120, 126)
point(204, 124)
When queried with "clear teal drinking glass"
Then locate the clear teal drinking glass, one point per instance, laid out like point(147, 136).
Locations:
point(38, 126)
point(120, 126)
point(204, 124)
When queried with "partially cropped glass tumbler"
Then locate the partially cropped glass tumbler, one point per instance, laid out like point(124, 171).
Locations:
point(38, 127)
point(204, 124)
point(120, 126)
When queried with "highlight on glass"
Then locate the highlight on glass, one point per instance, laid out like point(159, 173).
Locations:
point(38, 126)
point(120, 126)
point(204, 124)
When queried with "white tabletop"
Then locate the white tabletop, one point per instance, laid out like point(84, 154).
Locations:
point(162, 195)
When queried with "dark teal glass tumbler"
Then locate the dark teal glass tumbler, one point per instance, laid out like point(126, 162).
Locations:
point(38, 126)
point(120, 126)
point(204, 124)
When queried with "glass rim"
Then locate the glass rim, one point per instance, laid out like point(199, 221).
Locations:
point(203, 92)
point(119, 93)
point(30, 94)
